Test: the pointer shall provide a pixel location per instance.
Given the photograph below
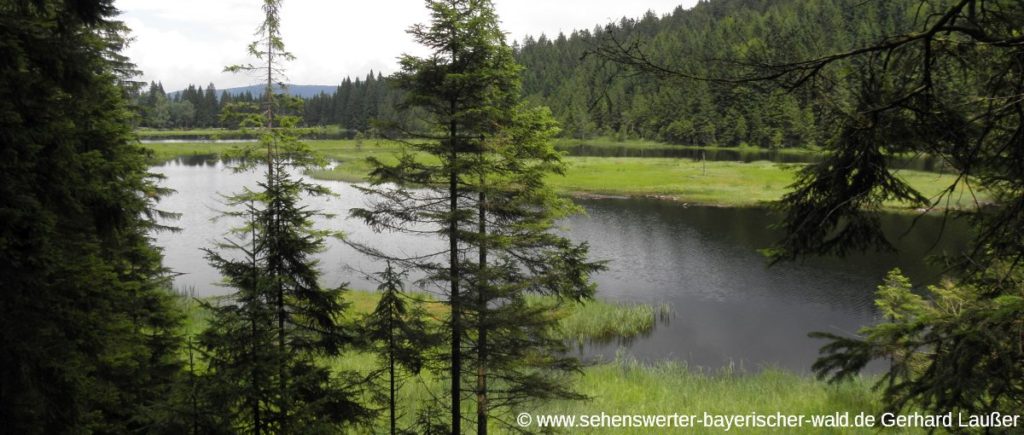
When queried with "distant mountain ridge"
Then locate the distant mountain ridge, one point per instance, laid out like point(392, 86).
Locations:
point(302, 91)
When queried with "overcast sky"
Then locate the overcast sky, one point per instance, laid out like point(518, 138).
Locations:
point(190, 41)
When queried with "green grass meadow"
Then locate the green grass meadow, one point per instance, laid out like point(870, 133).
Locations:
point(731, 184)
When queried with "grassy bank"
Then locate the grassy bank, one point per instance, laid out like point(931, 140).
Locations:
point(606, 142)
point(561, 143)
point(625, 386)
point(638, 144)
point(628, 387)
point(714, 183)
point(163, 152)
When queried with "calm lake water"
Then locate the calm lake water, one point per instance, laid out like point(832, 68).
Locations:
point(727, 307)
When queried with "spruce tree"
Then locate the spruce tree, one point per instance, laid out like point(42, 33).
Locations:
point(284, 321)
point(516, 356)
point(485, 196)
point(398, 333)
point(453, 86)
point(238, 338)
point(90, 341)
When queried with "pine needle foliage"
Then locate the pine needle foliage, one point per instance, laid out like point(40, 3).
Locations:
point(485, 196)
point(268, 343)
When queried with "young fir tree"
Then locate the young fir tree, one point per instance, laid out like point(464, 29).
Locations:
point(239, 336)
point(512, 337)
point(484, 195)
point(89, 339)
point(398, 334)
point(281, 323)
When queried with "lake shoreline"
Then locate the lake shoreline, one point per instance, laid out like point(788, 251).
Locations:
point(679, 180)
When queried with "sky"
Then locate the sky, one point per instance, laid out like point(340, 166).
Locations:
point(191, 41)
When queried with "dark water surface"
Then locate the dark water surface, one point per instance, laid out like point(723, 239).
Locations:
point(727, 307)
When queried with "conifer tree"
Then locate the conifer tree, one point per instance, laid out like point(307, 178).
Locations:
point(238, 337)
point(518, 254)
point(456, 87)
point(287, 320)
point(485, 196)
point(89, 342)
point(399, 335)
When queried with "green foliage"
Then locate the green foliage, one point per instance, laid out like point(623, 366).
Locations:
point(190, 108)
point(399, 330)
point(476, 178)
point(631, 387)
point(266, 344)
point(713, 39)
point(959, 350)
point(89, 336)
point(590, 96)
point(625, 386)
point(949, 86)
point(400, 336)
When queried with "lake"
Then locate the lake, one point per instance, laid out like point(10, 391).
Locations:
point(727, 306)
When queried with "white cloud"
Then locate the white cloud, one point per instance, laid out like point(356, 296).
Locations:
point(190, 41)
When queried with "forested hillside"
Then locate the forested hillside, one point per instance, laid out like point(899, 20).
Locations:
point(591, 96)
point(352, 104)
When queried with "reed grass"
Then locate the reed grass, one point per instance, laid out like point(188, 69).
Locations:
point(600, 320)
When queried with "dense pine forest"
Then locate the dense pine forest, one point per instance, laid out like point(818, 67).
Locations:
point(591, 96)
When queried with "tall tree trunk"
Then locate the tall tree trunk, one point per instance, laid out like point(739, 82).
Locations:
point(194, 400)
point(453, 271)
point(391, 372)
point(281, 366)
point(275, 237)
point(481, 350)
point(270, 108)
point(254, 377)
point(257, 421)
